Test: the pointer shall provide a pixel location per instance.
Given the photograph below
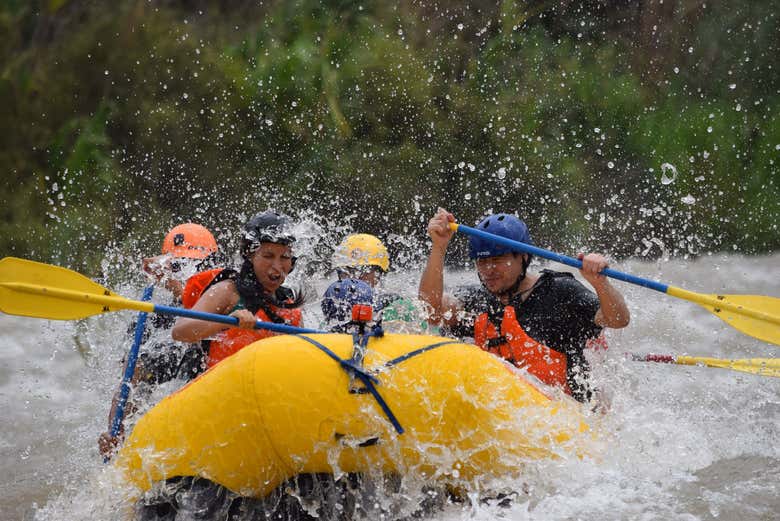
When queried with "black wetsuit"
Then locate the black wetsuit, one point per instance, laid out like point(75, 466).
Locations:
point(559, 313)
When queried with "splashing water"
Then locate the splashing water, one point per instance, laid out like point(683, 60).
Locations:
point(680, 442)
point(668, 173)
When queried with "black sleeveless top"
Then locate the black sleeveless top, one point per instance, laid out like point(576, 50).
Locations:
point(559, 313)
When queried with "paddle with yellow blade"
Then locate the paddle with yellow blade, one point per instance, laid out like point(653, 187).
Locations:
point(754, 315)
point(34, 289)
point(758, 366)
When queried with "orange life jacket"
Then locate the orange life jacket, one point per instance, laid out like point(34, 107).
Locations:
point(196, 285)
point(513, 344)
point(230, 341)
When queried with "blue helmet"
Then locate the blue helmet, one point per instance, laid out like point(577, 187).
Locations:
point(342, 295)
point(501, 224)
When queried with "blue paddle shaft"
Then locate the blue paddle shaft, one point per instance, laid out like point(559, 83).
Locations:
point(563, 259)
point(232, 321)
point(119, 411)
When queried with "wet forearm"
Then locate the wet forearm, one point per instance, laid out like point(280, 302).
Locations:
point(613, 311)
point(193, 330)
point(431, 289)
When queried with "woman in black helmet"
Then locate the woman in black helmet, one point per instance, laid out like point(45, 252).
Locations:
point(253, 293)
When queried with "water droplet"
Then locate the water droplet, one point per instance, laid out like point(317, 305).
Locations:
point(269, 122)
point(597, 130)
point(611, 165)
point(668, 173)
point(709, 130)
point(501, 173)
point(185, 95)
point(733, 86)
point(468, 197)
point(738, 107)
point(460, 27)
point(677, 70)
point(461, 164)
point(688, 199)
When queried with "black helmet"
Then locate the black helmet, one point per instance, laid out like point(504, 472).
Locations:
point(268, 226)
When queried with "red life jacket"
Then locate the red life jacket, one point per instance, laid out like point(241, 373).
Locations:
point(230, 341)
point(514, 345)
point(196, 285)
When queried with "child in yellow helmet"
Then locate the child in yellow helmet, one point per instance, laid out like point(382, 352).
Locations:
point(364, 257)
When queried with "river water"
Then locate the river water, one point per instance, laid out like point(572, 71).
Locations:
point(679, 443)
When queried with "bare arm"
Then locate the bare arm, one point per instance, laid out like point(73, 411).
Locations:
point(613, 311)
point(443, 309)
point(220, 299)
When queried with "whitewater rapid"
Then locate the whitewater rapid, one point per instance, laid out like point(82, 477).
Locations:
point(679, 443)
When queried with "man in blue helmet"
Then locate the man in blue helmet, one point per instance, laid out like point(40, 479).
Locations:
point(540, 322)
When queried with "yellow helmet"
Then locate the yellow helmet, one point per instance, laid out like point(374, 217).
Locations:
point(361, 249)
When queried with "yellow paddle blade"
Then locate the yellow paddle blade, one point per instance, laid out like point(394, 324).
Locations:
point(754, 315)
point(757, 366)
point(761, 327)
point(34, 289)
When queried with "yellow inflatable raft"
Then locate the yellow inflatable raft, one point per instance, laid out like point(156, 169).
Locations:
point(287, 405)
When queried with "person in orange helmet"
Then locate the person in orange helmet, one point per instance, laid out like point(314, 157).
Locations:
point(187, 249)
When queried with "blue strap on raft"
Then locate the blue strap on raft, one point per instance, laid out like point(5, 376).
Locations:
point(410, 354)
point(355, 368)
point(367, 378)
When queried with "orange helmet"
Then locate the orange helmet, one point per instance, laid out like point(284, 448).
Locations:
point(189, 240)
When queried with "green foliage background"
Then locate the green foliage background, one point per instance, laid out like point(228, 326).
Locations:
point(120, 119)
